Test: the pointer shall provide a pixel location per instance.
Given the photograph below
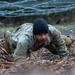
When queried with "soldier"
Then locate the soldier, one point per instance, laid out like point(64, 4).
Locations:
point(30, 37)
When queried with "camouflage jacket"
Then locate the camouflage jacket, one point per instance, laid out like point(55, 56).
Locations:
point(22, 40)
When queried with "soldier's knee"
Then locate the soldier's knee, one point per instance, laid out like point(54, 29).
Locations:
point(7, 34)
point(67, 40)
point(6, 44)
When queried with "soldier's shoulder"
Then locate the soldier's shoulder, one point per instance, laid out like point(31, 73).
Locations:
point(51, 28)
point(27, 24)
point(26, 27)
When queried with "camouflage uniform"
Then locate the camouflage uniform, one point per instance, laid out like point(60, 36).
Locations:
point(21, 41)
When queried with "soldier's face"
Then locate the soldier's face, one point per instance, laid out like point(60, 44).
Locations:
point(41, 38)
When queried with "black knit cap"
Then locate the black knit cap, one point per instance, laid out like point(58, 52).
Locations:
point(40, 26)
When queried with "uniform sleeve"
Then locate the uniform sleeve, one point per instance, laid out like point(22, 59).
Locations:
point(60, 43)
point(22, 47)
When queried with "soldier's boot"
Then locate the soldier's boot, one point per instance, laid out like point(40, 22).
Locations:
point(6, 44)
point(67, 40)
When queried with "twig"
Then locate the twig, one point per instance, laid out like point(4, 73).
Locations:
point(4, 51)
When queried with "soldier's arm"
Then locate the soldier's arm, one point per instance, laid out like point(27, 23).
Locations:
point(60, 43)
point(21, 48)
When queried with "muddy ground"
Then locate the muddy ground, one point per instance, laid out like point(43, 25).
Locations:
point(48, 64)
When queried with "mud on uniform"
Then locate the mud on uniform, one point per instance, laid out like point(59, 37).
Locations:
point(21, 41)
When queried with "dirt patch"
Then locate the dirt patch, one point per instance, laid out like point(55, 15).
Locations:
point(49, 64)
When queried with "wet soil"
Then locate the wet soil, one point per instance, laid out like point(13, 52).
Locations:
point(48, 64)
